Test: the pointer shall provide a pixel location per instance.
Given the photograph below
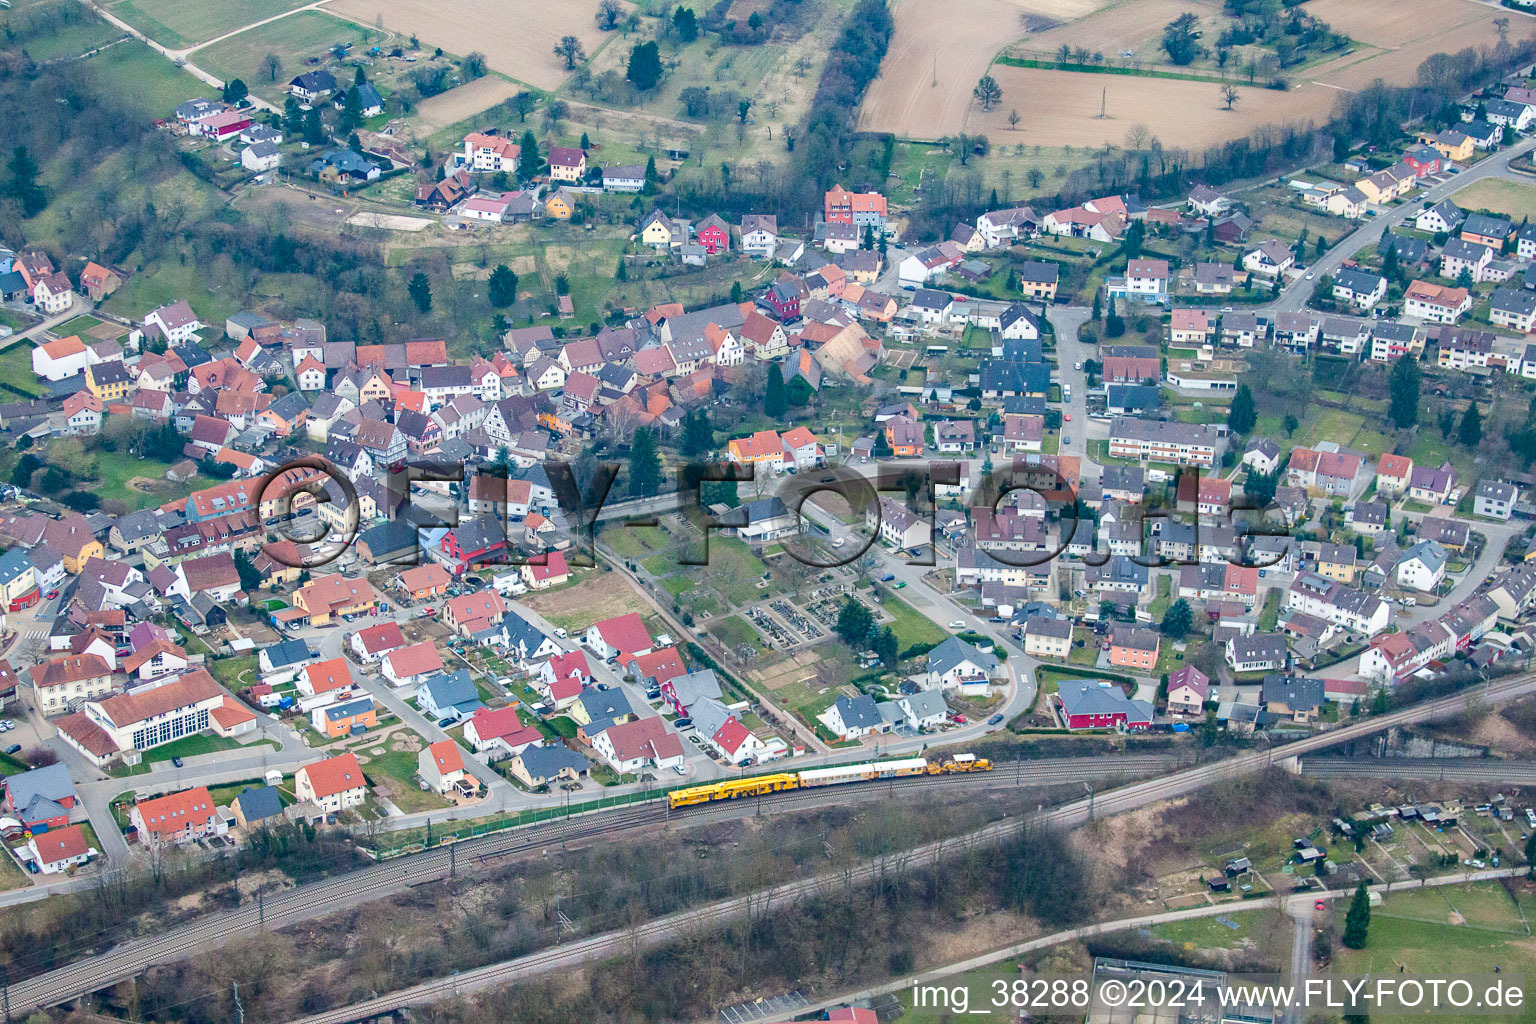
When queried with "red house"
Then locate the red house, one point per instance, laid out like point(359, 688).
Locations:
point(714, 235)
point(223, 125)
point(1095, 704)
point(1424, 160)
point(783, 300)
point(473, 543)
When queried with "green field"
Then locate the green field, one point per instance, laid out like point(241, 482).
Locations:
point(399, 768)
point(72, 40)
point(1425, 948)
point(107, 475)
point(1514, 199)
point(169, 282)
point(305, 34)
point(180, 23)
point(733, 631)
point(910, 626)
point(144, 79)
point(16, 370)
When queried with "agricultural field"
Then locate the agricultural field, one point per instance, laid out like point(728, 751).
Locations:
point(937, 53)
point(179, 24)
point(518, 37)
point(461, 103)
point(925, 89)
point(1515, 200)
point(305, 34)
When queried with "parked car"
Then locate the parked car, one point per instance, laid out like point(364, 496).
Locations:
point(887, 577)
point(14, 748)
point(994, 720)
point(445, 723)
point(52, 594)
point(176, 761)
point(957, 624)
point(681, 769)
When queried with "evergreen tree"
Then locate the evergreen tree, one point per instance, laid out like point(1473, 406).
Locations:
point(22, 184)
point(686, 24)
point(1178, 620)
point(1114, 325)
point(529, 162)
point(644, 71)
point(314, 129)
point(293, 117)
point(502, 286)
point(359, 76)
point(420, 290)
point(1242, 417)
point(644, 464)
point(735, 291)
point(1290, 423)
point(652, 176)
point(698, 433)
point(1403, 386)
point(1357, 922)
point(854, 621)
point(250, 576)
point(887, 647)
point(351, 109)
point(1470, 433)
point(774, 401)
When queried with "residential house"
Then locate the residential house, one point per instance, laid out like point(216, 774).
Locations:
point(334, 785)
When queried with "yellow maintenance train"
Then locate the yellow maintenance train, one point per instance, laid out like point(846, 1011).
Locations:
point(757, 785)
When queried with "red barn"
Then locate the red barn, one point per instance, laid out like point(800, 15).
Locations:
point(473, 543)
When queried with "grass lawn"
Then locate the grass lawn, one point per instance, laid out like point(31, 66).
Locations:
point(1210, 933)
point(79, 325)
point(733, 631)
point(16, 370)
point(200, 743)
point(910, 626)
point(166, 283)
point(146, 81)
point(71, 40)
point(1511, 198)
point(1419, 948)
point(399, 767)
point(107, 475)
point(635, 541)
point(176, 23)
point(305, 34)
point(563, 726)
point(228, 671)
point(1160, 603)
point(1270, 613)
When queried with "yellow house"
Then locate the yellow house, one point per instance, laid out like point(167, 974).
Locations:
point(1452, 145)
point(658, 230)
point(560, 204)
point(326, 597)
point(109, 381)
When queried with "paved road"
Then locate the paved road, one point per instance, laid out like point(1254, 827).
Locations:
point(1295, 296)
point(77, 308)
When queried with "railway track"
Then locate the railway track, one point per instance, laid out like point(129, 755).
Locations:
point(1448, 769)
point(316, 898)
point(1113, 801)
point(88, 975)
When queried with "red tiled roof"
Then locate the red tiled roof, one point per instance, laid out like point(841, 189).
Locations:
point(417, 659)
point(334, 775)
point(329, 675)
point(172, 813)
point(61, 844)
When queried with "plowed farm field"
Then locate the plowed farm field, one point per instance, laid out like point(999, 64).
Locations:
point(518, 37)
point(939, 51)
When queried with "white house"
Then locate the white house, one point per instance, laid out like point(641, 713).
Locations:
point(1422, 567)
point(334, 785)
point(1495, 499)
